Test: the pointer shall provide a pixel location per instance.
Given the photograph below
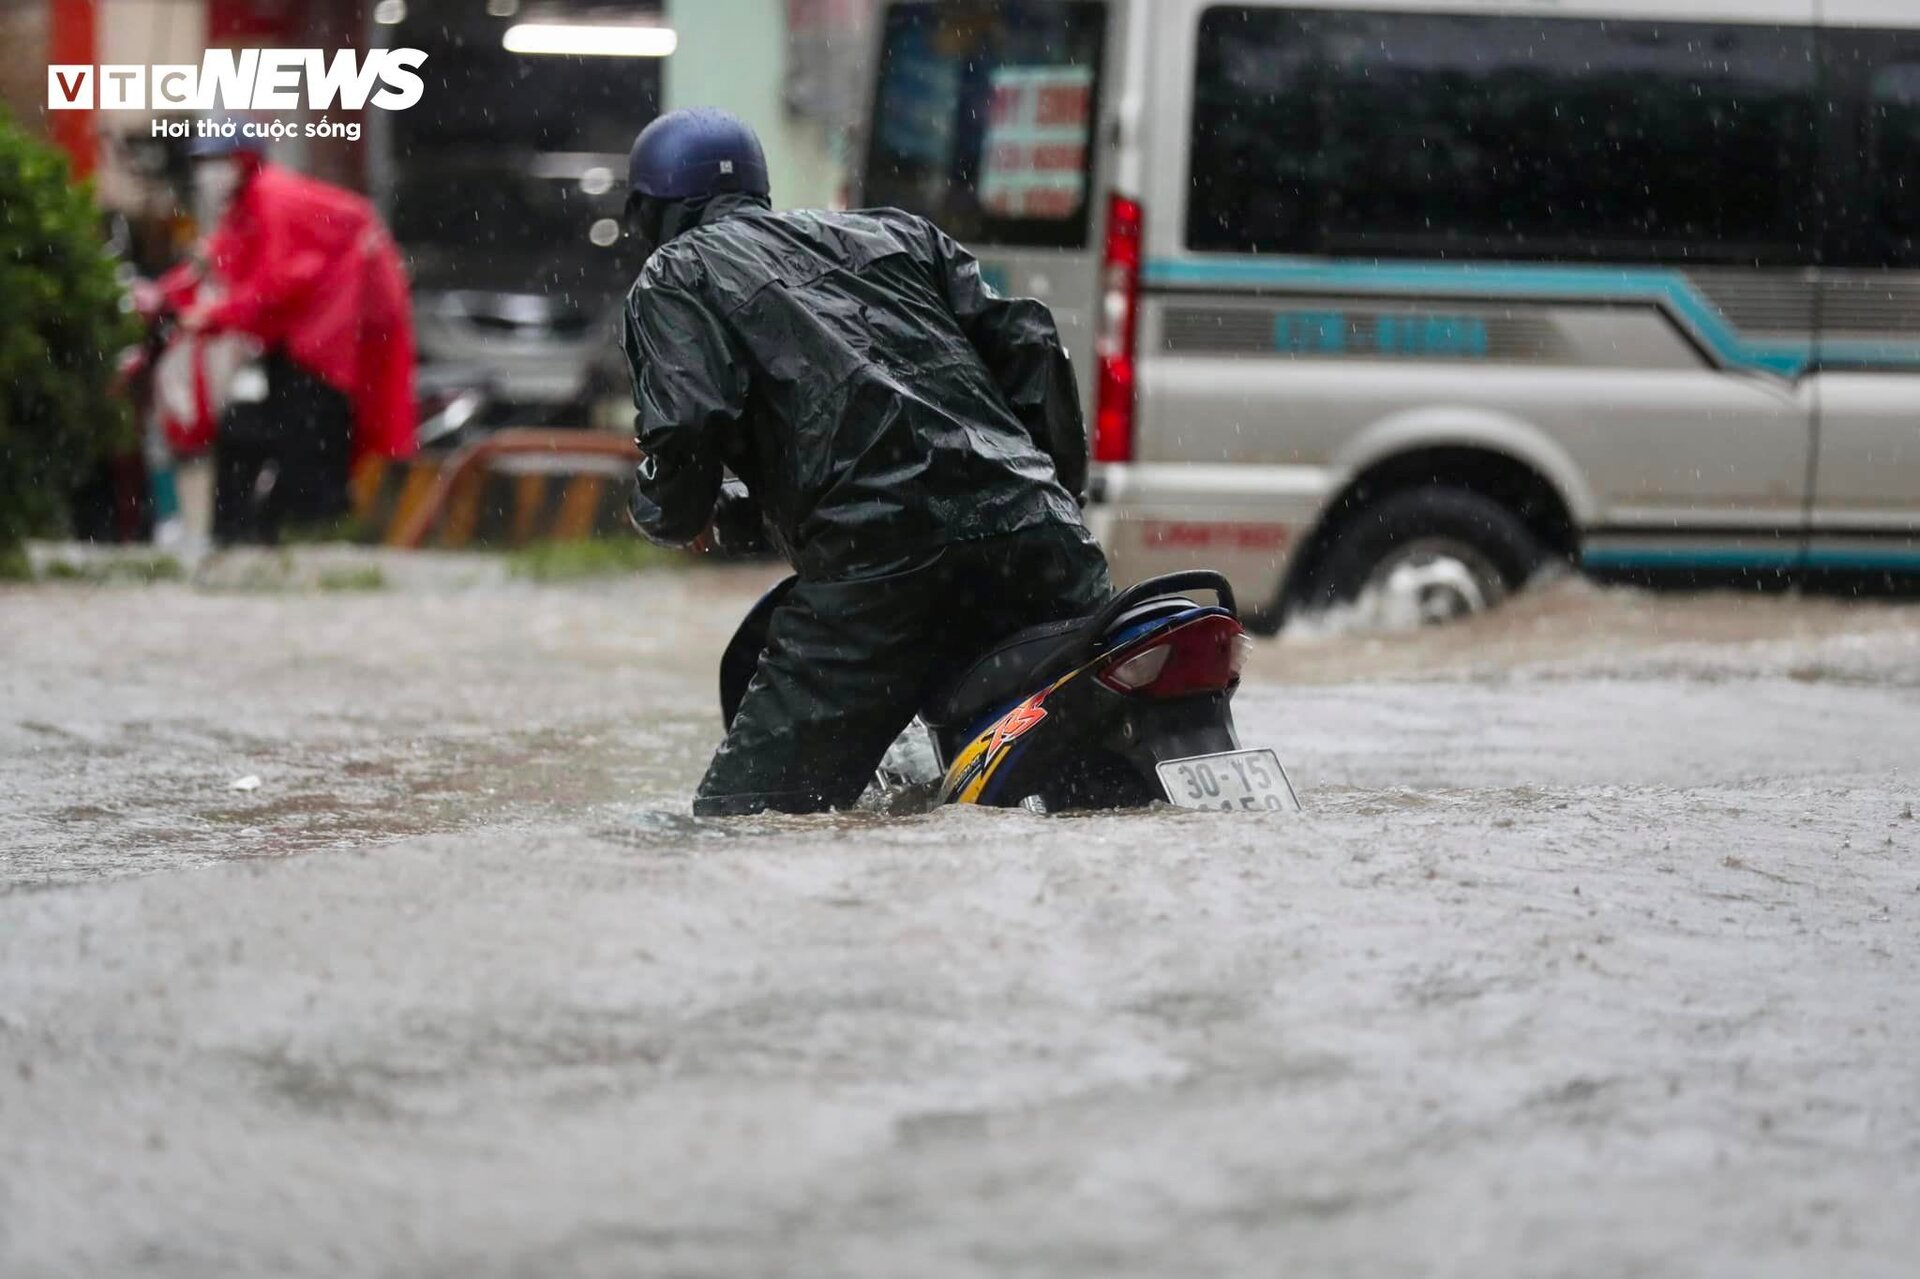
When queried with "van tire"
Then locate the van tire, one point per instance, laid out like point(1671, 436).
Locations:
point(1479, 551)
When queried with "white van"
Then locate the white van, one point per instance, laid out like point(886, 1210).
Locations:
point(1421, 294)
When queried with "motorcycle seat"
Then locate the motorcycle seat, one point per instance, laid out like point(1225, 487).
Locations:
point(1027, 660)
point(1005, 673)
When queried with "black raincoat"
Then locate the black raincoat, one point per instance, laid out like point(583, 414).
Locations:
point(875, 395)
point(913, 440)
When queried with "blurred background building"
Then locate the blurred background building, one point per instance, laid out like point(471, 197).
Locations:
point(504, 185)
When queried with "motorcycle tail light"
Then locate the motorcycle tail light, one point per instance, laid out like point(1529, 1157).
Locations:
point(1203, 656)
point(1242, 650)
point(1139, 670)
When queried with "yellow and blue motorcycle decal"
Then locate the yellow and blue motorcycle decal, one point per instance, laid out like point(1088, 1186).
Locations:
point(974, 767)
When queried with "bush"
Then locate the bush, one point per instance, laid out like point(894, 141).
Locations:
point(61, 328)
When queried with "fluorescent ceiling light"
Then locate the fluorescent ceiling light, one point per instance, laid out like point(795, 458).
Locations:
point(603, 42)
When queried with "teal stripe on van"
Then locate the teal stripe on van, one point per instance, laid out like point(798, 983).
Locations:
point(1758, 559)
point(1686, 557)
point(1887, 559)
point(1671, 289)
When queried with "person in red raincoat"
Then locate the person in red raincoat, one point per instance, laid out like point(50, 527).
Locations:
point(308, 271)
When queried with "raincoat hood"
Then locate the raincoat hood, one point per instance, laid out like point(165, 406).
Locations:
point(654, 222)
point(685, 215)
point(660, 221)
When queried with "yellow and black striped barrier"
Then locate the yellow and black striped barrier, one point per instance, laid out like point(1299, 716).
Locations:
point(511, 488)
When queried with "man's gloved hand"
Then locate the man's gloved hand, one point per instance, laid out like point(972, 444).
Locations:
point(738, 528)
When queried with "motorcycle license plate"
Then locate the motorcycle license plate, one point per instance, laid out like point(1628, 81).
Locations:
point(1232, 780)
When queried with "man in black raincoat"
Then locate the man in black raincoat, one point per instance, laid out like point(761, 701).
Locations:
point(912, 440)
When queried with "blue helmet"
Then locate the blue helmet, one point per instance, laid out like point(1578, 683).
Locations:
point(694, 153)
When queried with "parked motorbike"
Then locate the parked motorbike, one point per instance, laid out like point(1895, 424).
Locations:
point(453, 403)
point(1125, 707)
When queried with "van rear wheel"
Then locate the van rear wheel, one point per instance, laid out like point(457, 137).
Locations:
point(1425, 556)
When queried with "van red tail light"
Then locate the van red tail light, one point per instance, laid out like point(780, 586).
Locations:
point(1203, 656)
point(1113, 401)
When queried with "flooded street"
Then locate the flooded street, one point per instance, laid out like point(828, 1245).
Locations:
point(1594, 953)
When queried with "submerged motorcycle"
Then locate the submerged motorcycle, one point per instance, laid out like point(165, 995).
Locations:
point(1125, 707)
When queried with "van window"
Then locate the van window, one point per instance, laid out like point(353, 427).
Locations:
point(1458, 136)
point(984, 116)
point(1893, 102)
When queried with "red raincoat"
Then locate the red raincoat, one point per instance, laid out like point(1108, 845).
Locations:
point(307, 267)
